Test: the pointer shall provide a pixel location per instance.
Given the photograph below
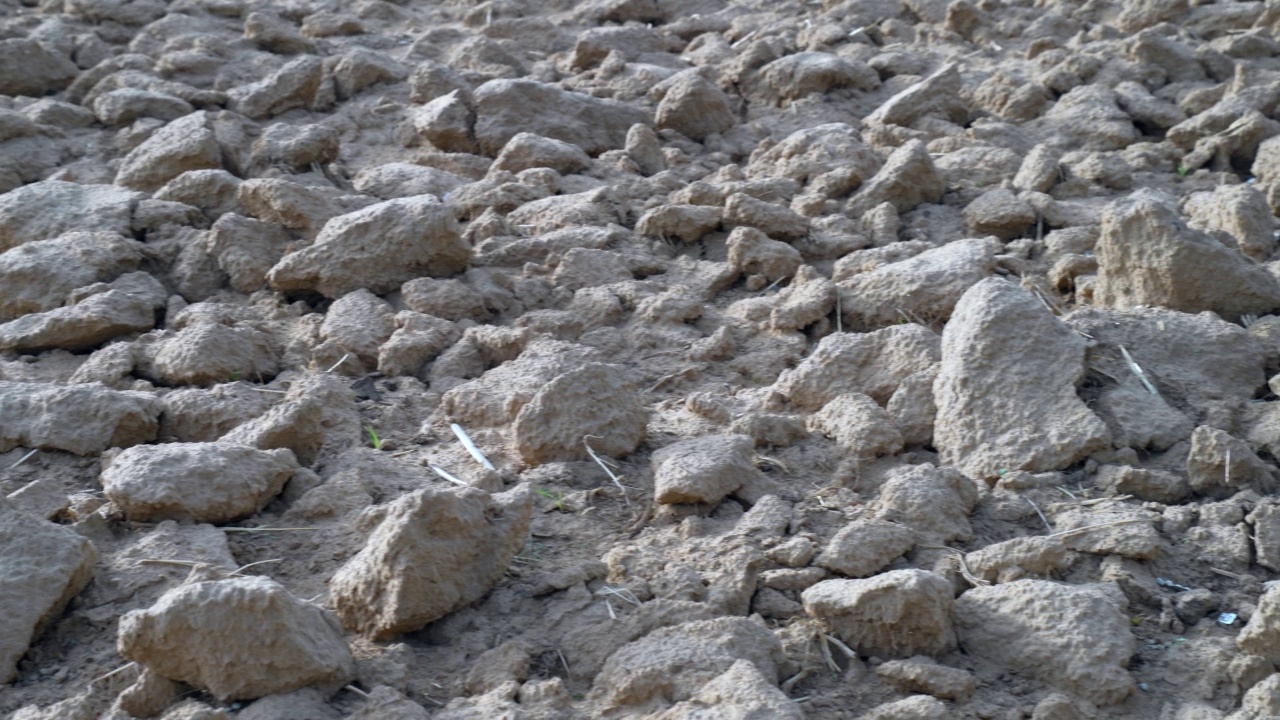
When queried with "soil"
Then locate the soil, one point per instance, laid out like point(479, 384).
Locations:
point(639, 358)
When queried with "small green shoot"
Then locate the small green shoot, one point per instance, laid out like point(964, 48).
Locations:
point(555, 497)
point(236, 375)
point(374, 440)
point(1182, 171)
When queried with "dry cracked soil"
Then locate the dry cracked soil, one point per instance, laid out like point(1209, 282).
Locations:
point(705, 359)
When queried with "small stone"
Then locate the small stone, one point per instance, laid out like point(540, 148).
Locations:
point(1001, 213)
point(44, 210)
point(122, 107)
point(295, 147)
point(1006, 390)
point(207, 353)
point(505, 108)
point(433, 552)
point(927, 286)
point(695, 108)
point(417, 236)
point(1147, 256)
point(297, 643)
point(675, 663)
point(201, 482)
point(897, 614)
point(43, 72)
point(604, 405)
point(1261, 636)
point(45, 566)
point(185, 144)
point(703, 469)
point(806, 73)
point(1192, 606)
point(872, 363)
point(922, 674)
point(858, 425)
point(741, 691)
point(689, 223)
point(293, 86)
point(447, 123)
point(1073, 637)
point(94, 314)
point(937, 94)
point(935, 502)
point(863, 548)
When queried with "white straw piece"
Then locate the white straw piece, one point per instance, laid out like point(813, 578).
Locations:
point(340, 361)
point(1138, 372)
point(471, 446)
point(24, 458)
point(447, 475)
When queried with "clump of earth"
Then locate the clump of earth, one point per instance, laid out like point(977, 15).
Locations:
point(878, 359)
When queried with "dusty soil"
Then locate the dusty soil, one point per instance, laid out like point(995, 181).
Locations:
point(639, 358)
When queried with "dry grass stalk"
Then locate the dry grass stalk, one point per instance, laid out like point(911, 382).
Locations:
point(471, 446)
point(617, 479)
point(447, 475)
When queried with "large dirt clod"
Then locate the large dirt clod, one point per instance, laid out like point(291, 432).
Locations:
point(199, 634)
point(434, 551)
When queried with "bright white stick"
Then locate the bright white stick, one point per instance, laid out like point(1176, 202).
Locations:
point(471, 447)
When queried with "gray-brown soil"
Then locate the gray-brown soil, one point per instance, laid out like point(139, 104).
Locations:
point(639, 358)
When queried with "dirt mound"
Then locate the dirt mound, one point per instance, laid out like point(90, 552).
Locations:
point(639, 358)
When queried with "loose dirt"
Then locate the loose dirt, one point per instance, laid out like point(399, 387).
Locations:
point(639, 358)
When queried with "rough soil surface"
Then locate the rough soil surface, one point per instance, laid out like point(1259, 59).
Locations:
point(457, 360)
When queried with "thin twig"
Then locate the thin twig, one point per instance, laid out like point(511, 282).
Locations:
point(447, 475)
point(265, 529)
point(24, 458)
point(623, 593)
point(848, 651)
point(356, 690)
point(260, 562)
point(178, 563)
point(1138, 372)
point(269, 390)
point(471, 446)
point(792, 681)
point(117, 671)
point(962, 564)
point(1043, 519)
point(1099, 501)
point(340, 361)
point(1072, 531)
point(616, 480)
point(24, 487)
point(826, 654)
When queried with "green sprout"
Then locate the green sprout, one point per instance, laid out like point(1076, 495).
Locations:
point(1182, 171)
point(555, 497)
point(374, 440)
